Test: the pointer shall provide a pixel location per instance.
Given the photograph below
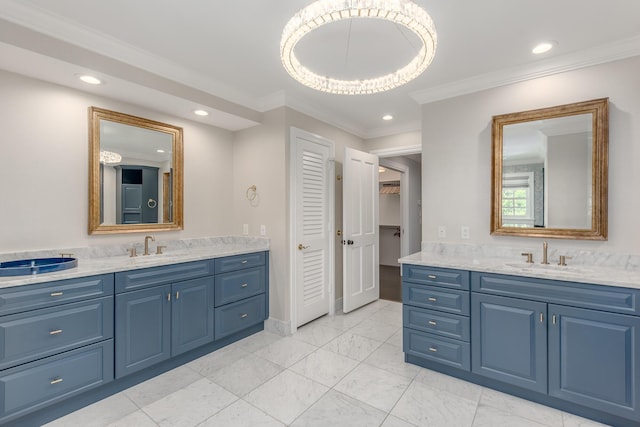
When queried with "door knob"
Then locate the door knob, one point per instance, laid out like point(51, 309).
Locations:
point(349, 242)
point(301, 246)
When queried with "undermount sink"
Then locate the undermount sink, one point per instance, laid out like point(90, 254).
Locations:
point(561, 269)
point(27, 267)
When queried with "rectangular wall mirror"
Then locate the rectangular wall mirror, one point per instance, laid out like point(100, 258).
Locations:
point(135, 174)
point(550, 170)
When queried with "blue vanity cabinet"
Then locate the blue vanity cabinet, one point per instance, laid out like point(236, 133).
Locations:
point(580, 341)
point(509, 340)
point(191, 314)
point(241, 292)
point(165, 311)
point(143, 335)
point(159, 321)
point(594, 359)
point(435, 314)
point(56, 341)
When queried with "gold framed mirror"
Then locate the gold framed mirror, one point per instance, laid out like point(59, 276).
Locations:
point(135, 174)
point(550, 172)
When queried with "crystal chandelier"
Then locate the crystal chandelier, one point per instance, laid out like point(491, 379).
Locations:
point(110, 157)
point(321, 12)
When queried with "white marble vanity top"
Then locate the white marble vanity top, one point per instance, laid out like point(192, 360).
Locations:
point(516, 266)
point(111, 259)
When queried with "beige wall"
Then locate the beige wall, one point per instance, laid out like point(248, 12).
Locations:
point(44, 169)
point(260, 159)
point(456, 143)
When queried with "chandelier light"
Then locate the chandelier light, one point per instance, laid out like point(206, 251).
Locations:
point(321, 12)
point(110, 157)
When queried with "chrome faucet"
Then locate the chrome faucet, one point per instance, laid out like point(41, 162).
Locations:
point(545, 248)
point(146, 244)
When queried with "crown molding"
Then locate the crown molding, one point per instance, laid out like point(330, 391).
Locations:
point(397, 151)
point(598, 55)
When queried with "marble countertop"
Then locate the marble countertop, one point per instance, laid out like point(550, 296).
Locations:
point(101, 260)
point(598, 275)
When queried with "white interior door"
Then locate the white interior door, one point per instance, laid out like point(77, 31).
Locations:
point(361, 279)
point(313, 217)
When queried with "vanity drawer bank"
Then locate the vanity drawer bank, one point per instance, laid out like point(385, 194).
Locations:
point(56, 341)
point(90, 337)
point(572, 346)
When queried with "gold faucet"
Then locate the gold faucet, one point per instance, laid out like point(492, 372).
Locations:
point(545, 248)
point(146, 244)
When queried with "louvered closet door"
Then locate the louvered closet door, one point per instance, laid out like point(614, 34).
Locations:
point(312, 227)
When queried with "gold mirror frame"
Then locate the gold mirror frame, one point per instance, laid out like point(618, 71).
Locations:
point(95, 226)
point(599, 109)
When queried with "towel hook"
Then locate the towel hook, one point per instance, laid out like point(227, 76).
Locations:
point(251, 193)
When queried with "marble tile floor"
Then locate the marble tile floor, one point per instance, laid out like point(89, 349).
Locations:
point(345, 370)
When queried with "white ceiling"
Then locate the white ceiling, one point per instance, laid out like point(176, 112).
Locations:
point(223, 56)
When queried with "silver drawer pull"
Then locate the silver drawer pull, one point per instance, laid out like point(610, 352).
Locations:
point(55, 332)
point(56, 294)
point(433, 349)
point(433, 322)
point(56, 381)
point(244, 261)
point(243, 315)
point(433, 299)
point(432, 276)
point(177, 295)
point(244, 285)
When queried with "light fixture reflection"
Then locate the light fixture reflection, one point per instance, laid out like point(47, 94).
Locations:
point(110, 157)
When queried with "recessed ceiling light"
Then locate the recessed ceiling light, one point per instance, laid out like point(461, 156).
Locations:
point(90, 79)
point(381, 169)
point(160, 151)
point(201, 113)
point(387, 117)
point(542, 47)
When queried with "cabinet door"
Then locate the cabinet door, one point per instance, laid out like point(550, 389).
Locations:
point(142, 329)
point(509, 340)
point(191, 314)
point(594, 359)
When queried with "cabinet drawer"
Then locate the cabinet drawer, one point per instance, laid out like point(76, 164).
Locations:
point(36, 334)
point(238, 262)
point(437, 322)
point(29, 387)
point(436, 298)
point(143, 278)
point(435, 276)
point(239, 315)
point(599, 297)
point(31, 297)
point(439, 349)
point(238, 285)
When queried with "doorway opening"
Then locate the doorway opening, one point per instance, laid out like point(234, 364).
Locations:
point(400, 188)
